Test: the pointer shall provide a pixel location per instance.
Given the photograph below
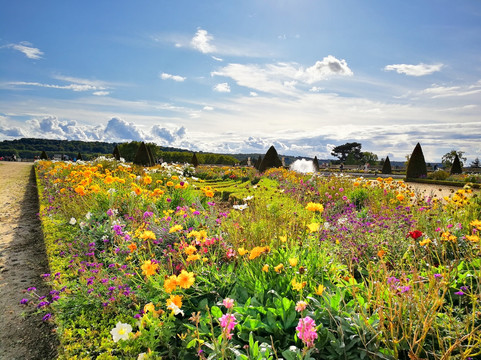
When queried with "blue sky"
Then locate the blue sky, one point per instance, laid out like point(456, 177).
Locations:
point(239, 76)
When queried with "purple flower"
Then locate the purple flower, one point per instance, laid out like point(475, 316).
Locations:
point(148, 214)
point(437, 276)
point(24, 301)
point(47, 317)
point(460, 293)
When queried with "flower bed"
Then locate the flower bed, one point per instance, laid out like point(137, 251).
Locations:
point(150, 263)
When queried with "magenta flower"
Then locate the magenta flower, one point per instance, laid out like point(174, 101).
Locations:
point(228, 303)
point(306, 331)
point(228, 322)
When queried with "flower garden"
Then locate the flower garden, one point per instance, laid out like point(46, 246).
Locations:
point(172, 262)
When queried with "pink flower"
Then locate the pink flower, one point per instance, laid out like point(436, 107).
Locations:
point(228, 303)
point(300, 306)
point(228, 323)
point(306, 331)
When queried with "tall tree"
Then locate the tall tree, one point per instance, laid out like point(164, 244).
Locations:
point(270, 160)
point(369, 157)
point(448, 158)
point(386, 167)
point(343, 151)
point(416, 165)
point(456, 168)
point(475, 163)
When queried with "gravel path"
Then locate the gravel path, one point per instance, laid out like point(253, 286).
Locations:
point(23, 335)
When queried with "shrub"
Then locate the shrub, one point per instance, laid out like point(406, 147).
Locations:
point(43, 156)
point(271, 160)
point(315, 162)
point(194, 160)
point(416, 165)
point(116, 153)
point(439, 175)
point(79, 156)
point(456, 168)
point(142, 157)
point(386, 167)
point(258, 162)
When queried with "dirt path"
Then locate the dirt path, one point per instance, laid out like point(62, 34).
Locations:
point(22, 261)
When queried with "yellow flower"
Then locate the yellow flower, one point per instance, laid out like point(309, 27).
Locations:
point(314, 207)
point(147, 180)
point(298, 286)
point(476, 224)
point(149, 307)
point(257, 251)
point(400, 197)
point(189, 250)
point(283, 238)
point(147, 234)
point(170, 183)
point(425, 242)
point(185, 279)
point(149, 268)
point(108, 180)
point(314, 227)
point(293, 262)
point(472, 238)
point(242, 251)
point(320, 290)
point(158, 192)
point(170, 284)
point(279, 268)
point(176, 300)
point(175, 178)
point(175, 228)
point(265, 268)
point(193, 257)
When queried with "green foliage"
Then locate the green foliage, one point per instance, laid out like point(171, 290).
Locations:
point(438, 175)
point(257, 165)
point(342, 151)
point(386, 167)
point(270, 160)
point(315, 163)
point(43, 156)
point(417, 165)
point(194, 161)
point(457, 167)
point(449, 158)
point(116, 153)
point(79, 156)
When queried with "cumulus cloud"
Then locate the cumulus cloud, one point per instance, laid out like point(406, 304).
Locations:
point(11, 131)
point(222, 87)
point(26, 48)
point(121, 130)
point(283, 77)
point(201, 41)
point(208, 108)
point(414, 70)
point(165, 76)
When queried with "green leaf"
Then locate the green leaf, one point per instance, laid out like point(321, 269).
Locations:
point(216, 312)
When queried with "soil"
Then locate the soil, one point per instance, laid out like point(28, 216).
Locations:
point(23, 334)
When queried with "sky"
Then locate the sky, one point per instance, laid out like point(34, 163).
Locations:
point(240, 76)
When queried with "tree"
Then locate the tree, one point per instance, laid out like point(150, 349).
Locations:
point(79, 156)
point(270, 160)
point(315, 163)
point(257, 165)
point(142, 156)
point(116, 153)
point(416, 165)
point(456, 168)
point(448, 158)
point(475, 163)
point(343, 151)
point(194, 160)
point(369, 157)
point(386, 167)
point(43, 156)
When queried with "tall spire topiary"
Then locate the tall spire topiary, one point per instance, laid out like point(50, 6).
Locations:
point(43, 155)
point(416, 165)
point(386, 167)
point(315, 163)
point(116, 153)
point(456, 167)
point(270, 160)
point(194, 161)
point(151, 155)
point(258, 162)
point(142, 156)
point(79, 156)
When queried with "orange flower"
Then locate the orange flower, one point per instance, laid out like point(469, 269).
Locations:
point(265, 268)
point(147, 180)
point(80, 190)
point(279, 268)
point(158, 192)
point(170, 183)
point(108, 180)
point(314, 207)
point(257, 251)
point(209, 193)
point(381, 253)
point(185, 279)
point(170, 284)
point(132, 247)
point(176, 300)
point(472, 238)
point(189, 250)
point(149, 268)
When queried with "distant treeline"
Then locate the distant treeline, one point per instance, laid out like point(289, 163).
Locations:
point(30, 148)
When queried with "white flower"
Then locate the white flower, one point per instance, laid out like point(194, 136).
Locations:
point(111, 191)
point(141, 356)
point(240, 207)
point(121, 331)
point(88, 215)
point(248, 198)
point(327, 225)
point(82, 224)
point(175, 309)
point(72, 221)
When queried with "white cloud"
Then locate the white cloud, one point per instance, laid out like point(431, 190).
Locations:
point(315, 89)
point(119, 130)
point(283, 77)
point(26, 48)
point(222, 87)
point(101, 93)
point(201, 41)
point(217, 58)
point(165, 76)
point(167, 136)
point(208, 108)
point(414, 70)
point(438, 91)
point(253, 93)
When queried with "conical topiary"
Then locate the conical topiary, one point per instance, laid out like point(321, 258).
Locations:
point(79, 156)
point(270, 160)
point(386, 167)
point(315, 163)
point(194, 160)
point(151, 155)
point(116, 153)
point(258, 162)
point(416, 165)
point(43, 156)
point(142, 156)
point(456, 168)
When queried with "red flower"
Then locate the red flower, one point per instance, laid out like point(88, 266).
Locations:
point(415, 234)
